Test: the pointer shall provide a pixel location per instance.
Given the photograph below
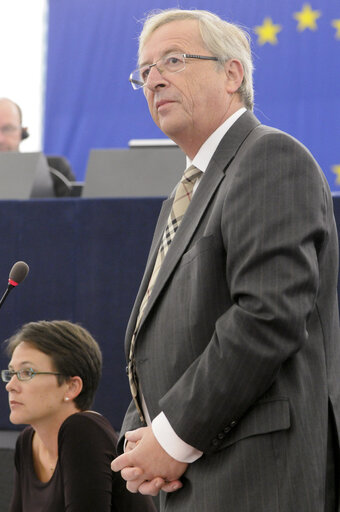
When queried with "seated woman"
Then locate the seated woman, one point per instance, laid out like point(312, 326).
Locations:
point(62, 460)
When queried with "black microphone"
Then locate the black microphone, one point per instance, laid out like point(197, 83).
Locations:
point(17, 274)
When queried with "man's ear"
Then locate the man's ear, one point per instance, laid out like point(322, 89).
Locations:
point(24, 133)
point(234, 73)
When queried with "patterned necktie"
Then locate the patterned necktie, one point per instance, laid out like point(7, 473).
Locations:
point(179, 206)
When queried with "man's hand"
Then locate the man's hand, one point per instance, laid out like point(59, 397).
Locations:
point(146, 467)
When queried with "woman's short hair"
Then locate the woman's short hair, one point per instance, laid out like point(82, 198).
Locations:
point(73, 351)
point(224, 40)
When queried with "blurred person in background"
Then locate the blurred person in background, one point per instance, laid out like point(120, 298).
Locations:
point(11, 130)
point(12, 133)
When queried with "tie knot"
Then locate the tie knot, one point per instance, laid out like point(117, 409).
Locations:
point(191, 174)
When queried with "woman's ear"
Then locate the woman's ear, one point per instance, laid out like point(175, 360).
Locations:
point(73, 388)
point(234, 73)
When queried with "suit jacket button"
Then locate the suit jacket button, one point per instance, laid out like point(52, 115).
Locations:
point(220, 436)
point(215, 442)
point(226, 430)
point(233, 423)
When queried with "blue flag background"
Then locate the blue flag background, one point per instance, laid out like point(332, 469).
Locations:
point(92, 48)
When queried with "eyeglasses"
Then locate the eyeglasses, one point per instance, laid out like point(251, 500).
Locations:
point(8, 129)
point(24, 374)
point(173, 63)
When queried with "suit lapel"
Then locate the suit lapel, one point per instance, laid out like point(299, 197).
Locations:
point(160, 226)
point(211, 179)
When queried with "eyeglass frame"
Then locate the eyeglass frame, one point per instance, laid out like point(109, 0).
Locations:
point(33, 373)
point(137, 84)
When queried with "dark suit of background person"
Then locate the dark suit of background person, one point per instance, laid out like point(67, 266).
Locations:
point(12, 133)
point(239, 342)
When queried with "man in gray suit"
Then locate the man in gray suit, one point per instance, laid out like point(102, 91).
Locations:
point(233, 343)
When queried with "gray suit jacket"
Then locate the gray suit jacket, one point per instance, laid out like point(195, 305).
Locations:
point(239, 344)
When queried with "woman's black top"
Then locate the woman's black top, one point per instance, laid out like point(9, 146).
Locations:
point(82, 480)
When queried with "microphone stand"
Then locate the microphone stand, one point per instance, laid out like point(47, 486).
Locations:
point(3, 298)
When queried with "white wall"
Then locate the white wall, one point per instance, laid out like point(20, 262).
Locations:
point(23, 30)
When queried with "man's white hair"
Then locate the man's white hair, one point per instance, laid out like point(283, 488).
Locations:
point(223, 39)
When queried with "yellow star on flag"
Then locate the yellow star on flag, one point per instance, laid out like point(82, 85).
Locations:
point(307, 18)
point(336, 170)
point(336, 25)
point(267, 32)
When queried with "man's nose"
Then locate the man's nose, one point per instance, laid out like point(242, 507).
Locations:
point(155, 78)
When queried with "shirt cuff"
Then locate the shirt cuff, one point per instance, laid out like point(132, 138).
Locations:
point(171, 443)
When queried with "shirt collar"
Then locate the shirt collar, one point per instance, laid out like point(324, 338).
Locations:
point(206, 151)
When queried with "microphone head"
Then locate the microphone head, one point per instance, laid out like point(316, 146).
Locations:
point(18, 273)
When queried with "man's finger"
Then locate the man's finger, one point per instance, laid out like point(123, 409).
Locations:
point(172, 486)
point(130, 474)
point(120, 462)
point(134, 435)
point(129, 446)
point(133, 485)
point(151, 488)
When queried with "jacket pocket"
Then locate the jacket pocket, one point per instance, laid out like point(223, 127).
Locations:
point(203, 245)
point(266, 416)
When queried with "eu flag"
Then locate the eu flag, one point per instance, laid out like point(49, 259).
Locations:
point(92, 50)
